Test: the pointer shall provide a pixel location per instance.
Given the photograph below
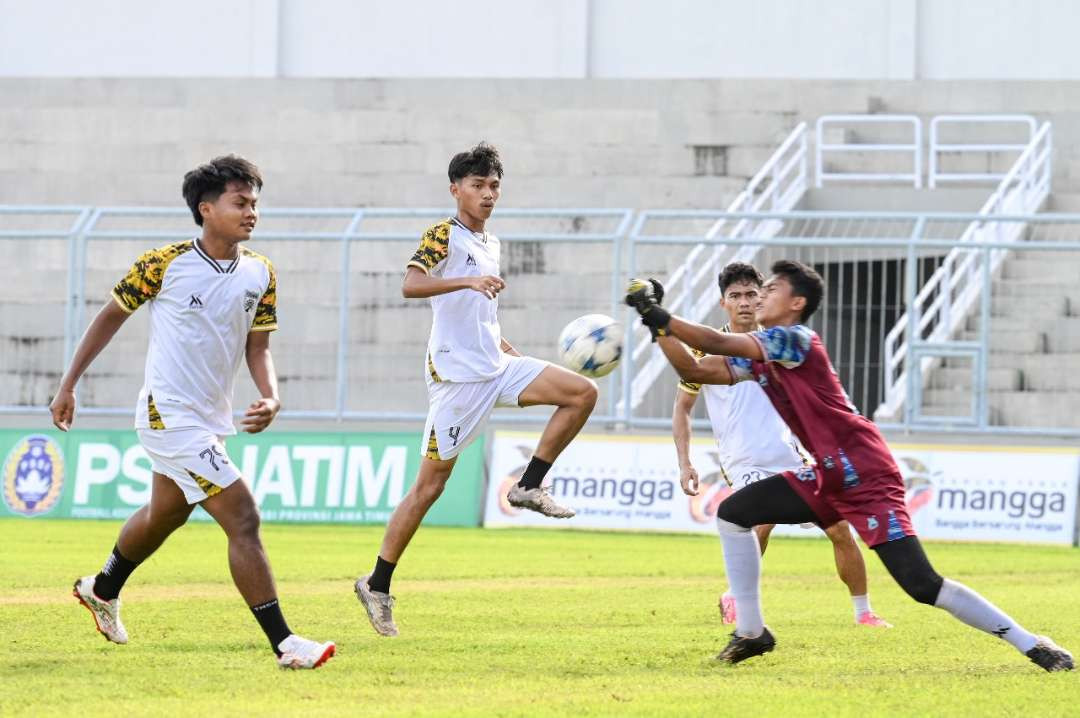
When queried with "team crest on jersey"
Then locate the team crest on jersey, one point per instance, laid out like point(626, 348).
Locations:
point(470, 262)
point(249, 300)
point(33, 475)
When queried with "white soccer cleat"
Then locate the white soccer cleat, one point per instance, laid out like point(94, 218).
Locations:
point(538, 500)
point(106, 613)
point(298, 652)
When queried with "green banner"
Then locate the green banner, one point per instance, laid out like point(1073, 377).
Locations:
point(295, 476)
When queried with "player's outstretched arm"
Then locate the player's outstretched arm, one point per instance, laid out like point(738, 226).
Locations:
point(681, 432)
point(261, 365)
point(707, 370)
point(646, 295)
point(100, 332)
point(712, 341)
point(419, 285)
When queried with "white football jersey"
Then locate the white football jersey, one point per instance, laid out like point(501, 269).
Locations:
point(465, 337)
point(749, 434)
point(201, 311)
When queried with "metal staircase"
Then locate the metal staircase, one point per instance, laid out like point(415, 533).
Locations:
point(776, 187)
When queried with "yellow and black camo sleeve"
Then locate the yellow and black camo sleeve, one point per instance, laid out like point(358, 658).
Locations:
point(688, 386)
point(266, 312)
point(143, 280)
point(434, 246)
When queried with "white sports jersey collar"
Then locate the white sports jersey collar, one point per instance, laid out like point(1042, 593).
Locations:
point(213, 262)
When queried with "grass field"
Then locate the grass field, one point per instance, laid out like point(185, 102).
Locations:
point(517, 623)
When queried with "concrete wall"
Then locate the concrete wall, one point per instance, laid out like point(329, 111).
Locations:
point(868, 39)
point(600, 143)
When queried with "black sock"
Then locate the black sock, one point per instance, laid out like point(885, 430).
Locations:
point(273, 623)
point(534, 474)
point(380, 577)
point(114, 573)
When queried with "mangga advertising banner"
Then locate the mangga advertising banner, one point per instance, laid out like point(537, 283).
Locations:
point(295, 476)
point(967, 493)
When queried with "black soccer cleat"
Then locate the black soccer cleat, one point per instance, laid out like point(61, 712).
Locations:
point(1049, 656)
point(740, 648)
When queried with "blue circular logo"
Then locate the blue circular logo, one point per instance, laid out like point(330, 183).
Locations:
point(33, 475)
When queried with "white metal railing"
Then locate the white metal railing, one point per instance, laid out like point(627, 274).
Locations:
point(825, 123)
point(337, 234)
point(776, 187)
point(866, 261)
point(944, 301)
point(936, 175)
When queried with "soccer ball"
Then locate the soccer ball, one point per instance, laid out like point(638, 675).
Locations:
point(591, 345)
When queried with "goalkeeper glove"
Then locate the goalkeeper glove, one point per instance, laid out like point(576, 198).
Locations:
point(645, 295)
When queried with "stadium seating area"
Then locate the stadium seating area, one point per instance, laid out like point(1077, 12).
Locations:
point(364, 143)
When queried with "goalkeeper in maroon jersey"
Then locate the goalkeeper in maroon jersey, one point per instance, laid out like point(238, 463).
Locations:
point(854, 477)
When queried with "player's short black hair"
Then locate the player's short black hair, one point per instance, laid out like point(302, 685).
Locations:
point(207, 182)
point(481, 160)
point(805, 282)
point(739, 273)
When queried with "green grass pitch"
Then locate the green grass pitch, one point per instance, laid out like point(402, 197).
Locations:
point(518, 623)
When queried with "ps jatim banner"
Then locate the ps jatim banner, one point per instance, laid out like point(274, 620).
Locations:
point(294, 476)
point(966, 493)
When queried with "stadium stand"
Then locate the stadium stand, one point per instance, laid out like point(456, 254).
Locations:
point(372, 143)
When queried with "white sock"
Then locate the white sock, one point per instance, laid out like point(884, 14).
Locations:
point(742, 557)
point(862, 604)
point(974, 610)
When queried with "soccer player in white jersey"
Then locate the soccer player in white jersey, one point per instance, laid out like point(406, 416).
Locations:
point(212, 304)
point(470, 369)
point(753, 441)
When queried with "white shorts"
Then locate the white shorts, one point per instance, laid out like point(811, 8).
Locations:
point(741, 476)
point(193, 458)
point(458, 411)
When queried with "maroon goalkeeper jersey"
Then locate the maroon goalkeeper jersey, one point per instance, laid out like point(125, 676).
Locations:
point(802, 385)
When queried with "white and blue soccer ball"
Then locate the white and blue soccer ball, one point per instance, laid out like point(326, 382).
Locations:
point(591, 345)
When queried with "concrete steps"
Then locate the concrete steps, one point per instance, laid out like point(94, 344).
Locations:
point(1012, 408)
point(1054, 268)
point(1034, 342)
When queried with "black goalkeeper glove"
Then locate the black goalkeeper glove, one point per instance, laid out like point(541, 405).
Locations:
point(645, 295)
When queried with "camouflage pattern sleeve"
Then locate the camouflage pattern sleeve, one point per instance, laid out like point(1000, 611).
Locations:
point(434, 246)
point(266, 311)
point(143, 280)
point(740, 368)
point(787, 346)
point(688, 386)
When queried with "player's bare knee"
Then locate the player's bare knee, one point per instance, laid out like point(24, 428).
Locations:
point(175, 519)
point(245, 525)
point(430, 485)
point(585, 395)
point(591, 394)
point(840, 533)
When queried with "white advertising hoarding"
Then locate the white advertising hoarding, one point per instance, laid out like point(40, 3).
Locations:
point(967, 493)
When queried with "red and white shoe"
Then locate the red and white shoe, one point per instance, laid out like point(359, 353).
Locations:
point(869, 618)
point(727, 608)
point(298, 652)
point(106, 613)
